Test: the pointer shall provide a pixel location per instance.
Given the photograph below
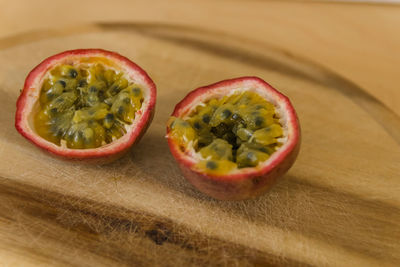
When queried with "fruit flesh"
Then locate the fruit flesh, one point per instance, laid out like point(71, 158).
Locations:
point(236, 131)
point(86, 105)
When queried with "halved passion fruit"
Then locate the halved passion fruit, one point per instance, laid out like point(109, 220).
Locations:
point(233, 139)
point(87, 104)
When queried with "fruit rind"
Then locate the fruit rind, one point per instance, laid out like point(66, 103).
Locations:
point(248, 182)
point(107, 153)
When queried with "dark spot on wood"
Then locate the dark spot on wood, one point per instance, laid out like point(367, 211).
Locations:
point(256, 180)
point(159, 236)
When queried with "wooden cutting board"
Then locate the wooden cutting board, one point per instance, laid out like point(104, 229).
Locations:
point(338, 205)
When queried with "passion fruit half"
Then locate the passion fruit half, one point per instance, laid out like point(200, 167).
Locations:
point(86, 104)
point(235, 138)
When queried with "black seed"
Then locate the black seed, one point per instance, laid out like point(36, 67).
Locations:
point(109, 117)
point(93, 89)
point(82, 83)
point(226, 113)
point(230, 138)
point(73, 73)
point(53, 110)
point(206, 118)
point(127, 100)
point(120, 110)
point(220, 130)
point(235, 116)
point(197, 125)
point(212, 165)
point(63, 83)
point(136, 91)
point(259, 121)
point(114, 89)
point(234, 153)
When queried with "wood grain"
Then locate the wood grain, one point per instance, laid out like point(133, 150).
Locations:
point(339, 204)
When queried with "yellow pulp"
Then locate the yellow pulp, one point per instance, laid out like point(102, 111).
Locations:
point(86, 106)
point(237, 131)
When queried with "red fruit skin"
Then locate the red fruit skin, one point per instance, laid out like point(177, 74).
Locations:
point(97, 155)
point(249, 183)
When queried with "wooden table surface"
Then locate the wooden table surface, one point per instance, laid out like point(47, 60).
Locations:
point(352, 47)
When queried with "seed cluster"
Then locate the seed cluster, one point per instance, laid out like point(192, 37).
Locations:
point(86, 106)
point(232, 132)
